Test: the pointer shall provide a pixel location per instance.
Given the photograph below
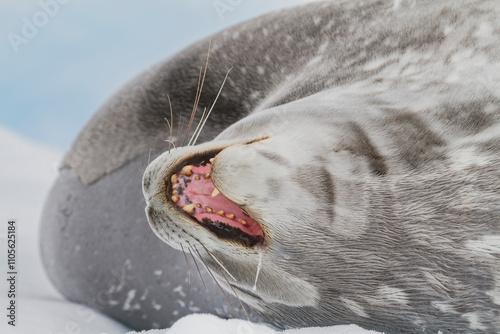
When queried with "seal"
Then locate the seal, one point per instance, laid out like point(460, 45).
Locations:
point(365, 185)
point(354, 179)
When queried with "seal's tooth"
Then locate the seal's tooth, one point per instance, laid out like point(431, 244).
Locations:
point(174, 192)
point(229, 215)
point(189, 208)
point(206, 176)
point(174, 178)
point(197, 178)
point(220, 212)
point(208, 209)
point(212, 160)
point(243, 221)
point(215, 192)
point(175, 199)
point(198, 205)
point(186, 170)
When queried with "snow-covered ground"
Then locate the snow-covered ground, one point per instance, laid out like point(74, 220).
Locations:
point(26, 172)
point(210, 324)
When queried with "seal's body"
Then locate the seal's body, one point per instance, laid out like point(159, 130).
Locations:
point(355, 179)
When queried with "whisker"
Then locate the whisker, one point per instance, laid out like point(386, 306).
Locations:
point(179, 128)
point(198, 126)
point(213, 105)
point(171, 142)
point(142, 171)
point(149, 157)
point(195, 104)
point(199, 272)
point(170, 125)
point(170, 130)
point(198, 97)
point(222, 273)
point(189, 271)
point(217, 260)
point(241, 303)
point(210, 272)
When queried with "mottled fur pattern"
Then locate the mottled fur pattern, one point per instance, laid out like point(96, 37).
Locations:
point(379, 187)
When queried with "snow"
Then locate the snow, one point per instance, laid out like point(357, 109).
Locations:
point(210, 324)
point(27, 171)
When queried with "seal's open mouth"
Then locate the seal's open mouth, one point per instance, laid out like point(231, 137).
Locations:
point(190, 187)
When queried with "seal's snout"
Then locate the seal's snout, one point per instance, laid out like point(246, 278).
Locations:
point(180, 185)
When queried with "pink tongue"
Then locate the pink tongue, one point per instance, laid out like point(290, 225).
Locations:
point(196, 188)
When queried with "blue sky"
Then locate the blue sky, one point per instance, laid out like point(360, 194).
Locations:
point(61, 59)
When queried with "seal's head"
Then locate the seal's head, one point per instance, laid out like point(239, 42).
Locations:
point(231, 201)
point(264, 203)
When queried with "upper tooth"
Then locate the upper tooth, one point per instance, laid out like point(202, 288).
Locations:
point(189, 208)
point(186, 170)
point(197, 178)
point(206, 176)
point(215, 192)
point(175, 199)
point(174, 178)
point(212, 160)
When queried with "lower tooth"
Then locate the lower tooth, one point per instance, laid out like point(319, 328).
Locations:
point(220, 212)
point(243, 221)
point(189, 208)
point(208, 209)
point(229, 215)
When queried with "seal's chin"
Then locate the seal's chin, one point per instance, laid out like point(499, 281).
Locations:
point(190, 188)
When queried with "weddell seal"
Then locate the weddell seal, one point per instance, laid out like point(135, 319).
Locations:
point(341, 165)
